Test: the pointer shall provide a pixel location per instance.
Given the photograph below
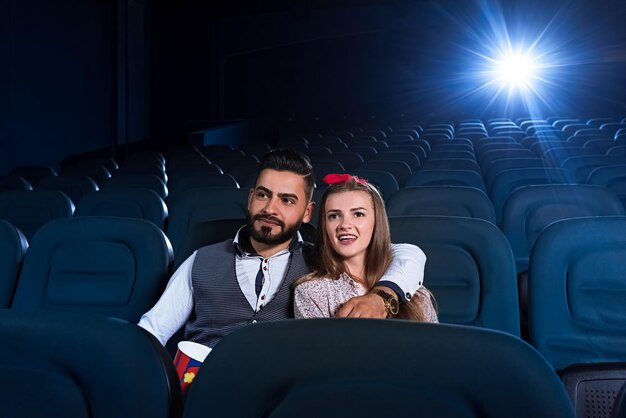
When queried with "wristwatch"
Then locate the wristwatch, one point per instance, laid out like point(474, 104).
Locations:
point(391, 303)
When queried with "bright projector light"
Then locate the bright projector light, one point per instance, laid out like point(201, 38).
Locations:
point(515, 71)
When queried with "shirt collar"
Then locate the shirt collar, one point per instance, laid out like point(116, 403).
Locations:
point(243, 247)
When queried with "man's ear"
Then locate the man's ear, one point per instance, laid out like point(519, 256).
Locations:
point(250, 193)
point(308, 213)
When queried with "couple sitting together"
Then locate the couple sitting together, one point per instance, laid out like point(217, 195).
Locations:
point(268, 273)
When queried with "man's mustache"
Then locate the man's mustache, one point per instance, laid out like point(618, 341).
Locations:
point(268, 218)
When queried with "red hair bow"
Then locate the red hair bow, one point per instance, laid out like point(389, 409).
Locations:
point(340, 178)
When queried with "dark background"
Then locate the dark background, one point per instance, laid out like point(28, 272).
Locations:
point(81, 75)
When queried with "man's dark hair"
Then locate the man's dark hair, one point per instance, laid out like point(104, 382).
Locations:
point(280, 159)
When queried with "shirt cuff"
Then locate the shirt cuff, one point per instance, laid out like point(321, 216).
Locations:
point(402, 297)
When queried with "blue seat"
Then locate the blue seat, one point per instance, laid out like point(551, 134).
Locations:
point(326, 166)
point(182, 184)
point(128, 203)
point(137, 181)
point(75, 187)
point(398, 169)
point(469, 178)
point(384, 180)
point(13, 246)
point(576, 307)
point(576, 288)
point(508, 180)
point(486, 157)
point(470, 269)
point(60, 365)
point(14, 183)
point(411, 159)
point(30, 210)
point(451, 164)
point(109, 163)
point(366, 152)
point(441, 200)
point(582, 166)
point(496, 166)
point(98, 173)
point(143, 167)
point(102, 266)
point(218, 230)
point(529, 209)
point(324, 368)
point(612, 177)
point(348, 159)
point(203, 204)
point(32, 173)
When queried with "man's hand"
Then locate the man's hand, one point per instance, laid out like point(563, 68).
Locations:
point(369, 305)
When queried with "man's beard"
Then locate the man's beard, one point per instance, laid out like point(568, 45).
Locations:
point(264, 235)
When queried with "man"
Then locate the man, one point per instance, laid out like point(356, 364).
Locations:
point(225, 286)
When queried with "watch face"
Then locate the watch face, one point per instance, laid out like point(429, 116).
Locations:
point(394, 307)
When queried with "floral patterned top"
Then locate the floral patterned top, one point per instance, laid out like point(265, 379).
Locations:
point(322, 298)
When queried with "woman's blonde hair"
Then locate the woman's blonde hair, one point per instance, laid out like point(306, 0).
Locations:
point(329, 264)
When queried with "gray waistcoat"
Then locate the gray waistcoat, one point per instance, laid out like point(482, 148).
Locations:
point(220, 306)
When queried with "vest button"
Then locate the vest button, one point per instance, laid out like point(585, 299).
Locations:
point(254, 321)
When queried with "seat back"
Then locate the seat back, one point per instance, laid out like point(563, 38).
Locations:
point(324, 368)
point(384, 180)
point(54, 365)
point(528, 210)
point(203, 204)
point(137, 181)
point(29, 210)
point(13, 246)
point(400, 170)
point(128, 203)
point(612, 177)
point(509, 180)
point(218, 230)
point(441, 200)
point(469, 178)
point(101, 266)
point(576, 291)
point(470, 269)
point(75, 187)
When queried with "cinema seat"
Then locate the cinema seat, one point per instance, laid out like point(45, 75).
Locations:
point(32, 173)
point(576, 307)
point(30, 210)
point(441, 200)
point(470, 269)
point(75, 187)
point(612, 177)
point(529, 209)
point(384, 180)
point(13, 246)
point(468, 178)
point(137, 181)
point(509, 180)
point(128, 203)
point(400, 170)
point(203, 204)
point(61, 365)
point(324, 368)
point(14, 183)
point(98, 266)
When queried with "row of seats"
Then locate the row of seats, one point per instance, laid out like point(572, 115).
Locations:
point(70, 366)
point(470, 270)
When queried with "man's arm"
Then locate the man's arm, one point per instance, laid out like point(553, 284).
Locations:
point(402, 279)
point(174, 307)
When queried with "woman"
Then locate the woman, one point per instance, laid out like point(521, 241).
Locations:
point(352, 251)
